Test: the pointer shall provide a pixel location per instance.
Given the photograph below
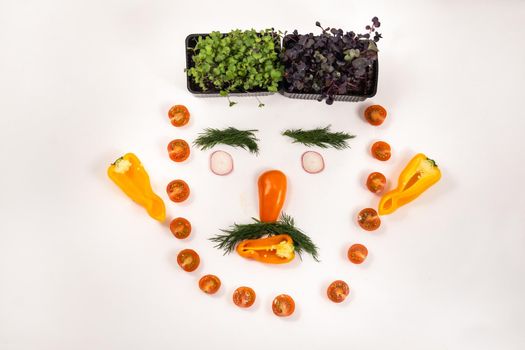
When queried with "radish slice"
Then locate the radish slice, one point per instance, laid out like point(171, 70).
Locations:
point(313, 162)
point(221, 163)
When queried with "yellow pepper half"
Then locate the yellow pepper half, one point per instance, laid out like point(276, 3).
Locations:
point(129, 174)
point(419, 174)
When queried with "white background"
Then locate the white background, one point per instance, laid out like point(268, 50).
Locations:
point(82, 267)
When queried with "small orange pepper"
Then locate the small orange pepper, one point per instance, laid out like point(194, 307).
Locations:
point(277, 249)
point(128, 173)
point(272, 194)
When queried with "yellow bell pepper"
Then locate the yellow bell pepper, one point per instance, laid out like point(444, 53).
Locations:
point(419, 174)
point(129, 174)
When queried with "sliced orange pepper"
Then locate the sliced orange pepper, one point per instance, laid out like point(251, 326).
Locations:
point(128, 173)
point(272, 194)
point(277, 249)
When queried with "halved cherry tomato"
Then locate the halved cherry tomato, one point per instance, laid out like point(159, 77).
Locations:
point(178, 150)
point(368, 219)
point(375, 115)
point(209, 284)
point(180, 227)
point(188, 259)
point(381, 150)
point(376, 182)
point(283, 305)
point(244, 297)
point(178, 190)
point(338, 291)
point(357, 253)
point(179, 115)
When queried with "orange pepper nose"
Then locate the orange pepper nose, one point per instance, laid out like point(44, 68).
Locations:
point(272, 194)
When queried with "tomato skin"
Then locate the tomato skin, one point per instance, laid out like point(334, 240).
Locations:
point(368, 219)
point(376, 182)
point(338, 291)
point(178, 190)
point(209, 284)
point(178, 150)
point(381, 151)
point(180, 227)
point(357, 253)
point(188, 260)
point(244, 297)
point(179, 115)
point(375, 115)
point(283, 305)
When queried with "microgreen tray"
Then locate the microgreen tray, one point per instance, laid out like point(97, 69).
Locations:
point(191, 41)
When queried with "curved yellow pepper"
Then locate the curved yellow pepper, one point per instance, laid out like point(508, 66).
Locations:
point(129, 174)
point(419, 174)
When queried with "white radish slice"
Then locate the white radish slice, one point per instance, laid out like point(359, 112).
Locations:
point(313, 162)
point(221, 163)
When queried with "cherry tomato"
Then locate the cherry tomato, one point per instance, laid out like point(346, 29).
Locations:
point(357, 253)
point(209, 284)
point(368, 219)
point(338, 291)
point(188, 259)
point(180, 227)
point(178, 150)
point(381, 150)
point(244, 297)
point(375, 115)
point(178, 190)
point(283, 305)
point(376, 182)
point(179, 115)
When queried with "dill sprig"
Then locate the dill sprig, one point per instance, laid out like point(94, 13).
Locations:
point(286, 225)
point(321, 137)
point(230, 136)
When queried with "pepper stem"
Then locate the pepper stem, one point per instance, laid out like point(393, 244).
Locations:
point(433, 162)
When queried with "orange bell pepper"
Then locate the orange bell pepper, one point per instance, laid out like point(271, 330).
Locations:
point(419, 174)
point(277, 249)
point(129, 174)
point(272, 194)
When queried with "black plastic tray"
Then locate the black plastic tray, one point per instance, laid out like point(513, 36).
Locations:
point(343, 98)
point(191, 42)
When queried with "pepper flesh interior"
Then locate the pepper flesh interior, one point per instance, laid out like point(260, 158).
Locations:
point(122, 165)
point(283, 249)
